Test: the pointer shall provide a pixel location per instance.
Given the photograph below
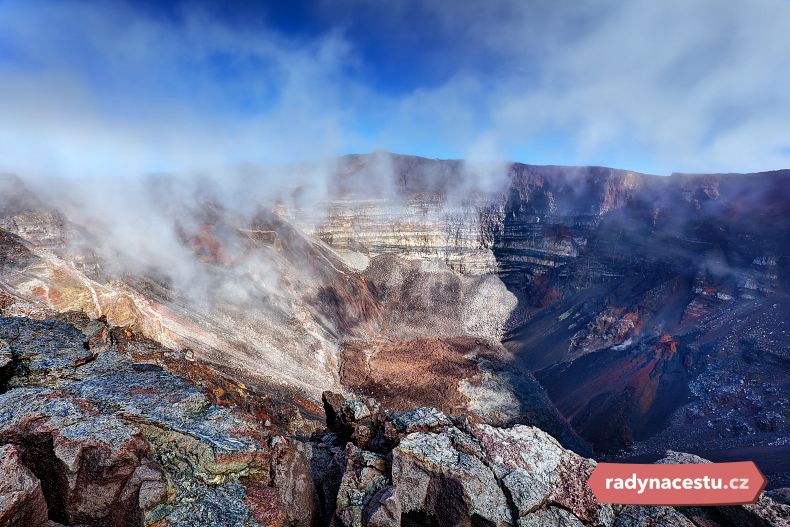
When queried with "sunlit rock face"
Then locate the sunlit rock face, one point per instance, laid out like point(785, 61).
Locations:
point(414, 227)
point(420, 209)
point(94, 430)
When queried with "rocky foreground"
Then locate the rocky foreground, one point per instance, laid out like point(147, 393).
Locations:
point(95, 430)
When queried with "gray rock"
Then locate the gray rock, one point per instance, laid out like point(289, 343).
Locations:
point(45, 349)
point(536, 470)
point(292, 477)
point(6, 358)
point(527, 492)
point(133, 442)
point(648, 516)
point(550, 517)
point(93, 464)
point(435, 479)
point(421, 420)
point(364, 476)
point(384, 509)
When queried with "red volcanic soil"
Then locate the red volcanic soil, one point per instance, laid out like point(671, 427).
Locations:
point(613, 398)
point(419, 372)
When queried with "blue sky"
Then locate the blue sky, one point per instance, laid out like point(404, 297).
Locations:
point(131, 87)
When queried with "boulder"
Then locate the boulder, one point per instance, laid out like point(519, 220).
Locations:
point(93, 468)
point(436, 481)
point(21, 498)
point(292, 478)
point(537, 471)
point(365, 474)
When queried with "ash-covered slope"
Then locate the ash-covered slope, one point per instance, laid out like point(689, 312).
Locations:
point(250, 295)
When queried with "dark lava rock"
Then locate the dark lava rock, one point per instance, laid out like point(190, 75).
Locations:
point(42, 350)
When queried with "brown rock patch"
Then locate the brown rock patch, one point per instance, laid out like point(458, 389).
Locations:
point(420, 372)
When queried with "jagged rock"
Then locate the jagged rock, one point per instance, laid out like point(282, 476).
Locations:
point(346, 416)
point(536, 470)
point(21, 499)
point(365, 474)
point(92, 466)
point(168, 455)
point(327, 466)
point(43, 350)
point(173, 412)
point(455, 472)
point(6, 358)
point(384, 509)
point(423, 419)
point(550, 517)
point(228, 503)
point(265, 506)
point(436, 481)
point(361, 421)
point(292, 478)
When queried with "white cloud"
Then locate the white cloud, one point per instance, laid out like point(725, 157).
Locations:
point(671, 85)
point(108, 91)
point(692, 85)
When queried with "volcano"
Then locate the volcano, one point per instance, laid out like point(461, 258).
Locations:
point(619, 315)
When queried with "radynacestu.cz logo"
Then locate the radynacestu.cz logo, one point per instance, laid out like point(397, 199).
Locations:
point(706, 482)
point(687, 484)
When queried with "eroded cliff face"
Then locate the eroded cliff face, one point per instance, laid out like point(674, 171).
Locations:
point(271, 304)
point(646, 305)
point(417, 226)
point(676, 283)
point(417, 208)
